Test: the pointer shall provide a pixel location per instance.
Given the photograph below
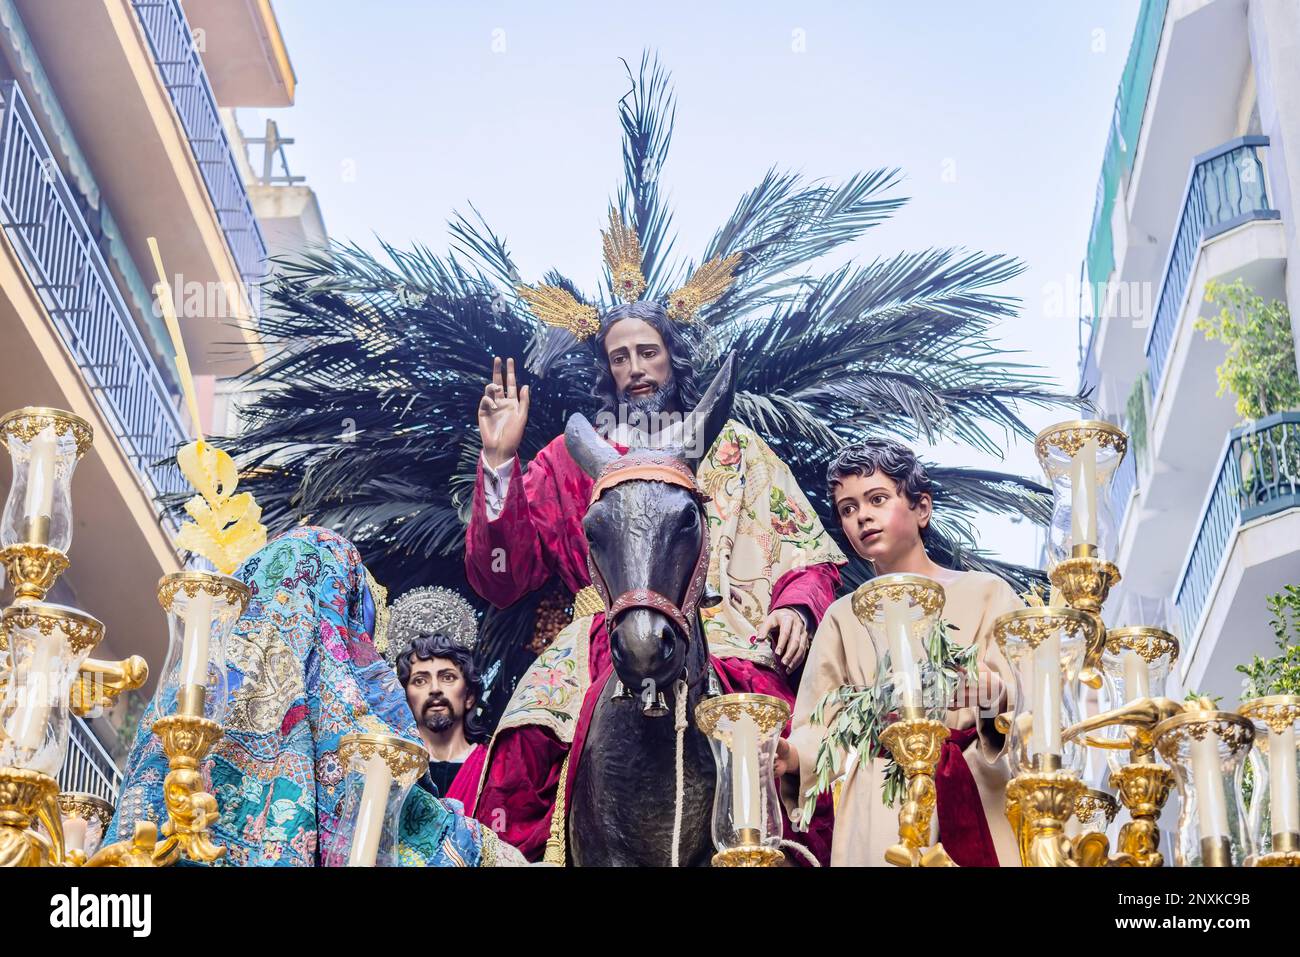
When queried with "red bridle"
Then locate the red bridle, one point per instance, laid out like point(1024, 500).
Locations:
point(653, 467)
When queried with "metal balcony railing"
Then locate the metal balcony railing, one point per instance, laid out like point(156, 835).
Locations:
point(181, 68)
point(1259, 474)
point(1225, 189)
point(42, 220)
point(88, 767)
point(1121, 489)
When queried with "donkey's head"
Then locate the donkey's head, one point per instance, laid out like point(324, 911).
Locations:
point(648, 537)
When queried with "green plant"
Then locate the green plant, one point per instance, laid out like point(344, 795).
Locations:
point(1135, 417)
point(861, 717)
point(1260, 366)
point(1281, 673)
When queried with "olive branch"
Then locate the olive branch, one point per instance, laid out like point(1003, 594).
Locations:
point(861, 717)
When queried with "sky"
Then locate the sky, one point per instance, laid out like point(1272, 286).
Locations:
point(996, 112)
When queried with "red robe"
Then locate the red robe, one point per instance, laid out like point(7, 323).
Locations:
point(541, 533)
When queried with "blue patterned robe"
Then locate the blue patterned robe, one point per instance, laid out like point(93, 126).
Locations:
point(303, 672)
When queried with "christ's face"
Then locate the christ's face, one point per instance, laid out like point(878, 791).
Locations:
point(640, 365)
point(876, 517)
point(438, 694)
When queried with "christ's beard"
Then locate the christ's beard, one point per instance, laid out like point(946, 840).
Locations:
point(438, 720)
point(653, 404)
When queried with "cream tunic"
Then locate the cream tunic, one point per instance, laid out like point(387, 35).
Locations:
point(842, 654)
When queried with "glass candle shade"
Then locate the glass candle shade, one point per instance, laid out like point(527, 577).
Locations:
point(202, 608)
point(1135, 663)
point(900, 613)
point(1207, 750)
point(44, 446)
point(380, 770)
point(1274, 811)
point(1094, 810)
point(1045, 647)
point(85, 819)
point(1080, 460)
point(743, 730)
point(46, 645)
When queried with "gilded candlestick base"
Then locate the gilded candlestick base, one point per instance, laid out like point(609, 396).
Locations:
point(186, 740)
point(22, 794)
point(1038, 805)
point(749, 855)
point(137, 852)
point(916, 744)
point(1085, 582)
point(33, 569)
point(1143, 790)
point(1279, 859)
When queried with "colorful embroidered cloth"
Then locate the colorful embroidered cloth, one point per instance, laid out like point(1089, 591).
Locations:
point(303, 672)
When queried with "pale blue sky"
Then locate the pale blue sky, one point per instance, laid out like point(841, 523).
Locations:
point(997, 113)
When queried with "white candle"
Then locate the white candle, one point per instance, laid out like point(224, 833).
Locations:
point(1083, 495)
point(907, 679)
point(74, 833)
point(1137, 677)
point(39, 501)
point(1046, 697)
point(1283, 797)
point(369, 827)
point(744, 774)
point(27, 727)
point(194, 649)
point(1207, 776)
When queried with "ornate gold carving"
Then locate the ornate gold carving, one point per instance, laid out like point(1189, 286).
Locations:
point(86, 806)
point(81, 631)
point(230, 590)
point(769, 713)
point(406, 760)
point(27, 423)
point(1038, 805)
point(137, 852)
point(706, 284)
point(100, 683)
point(22, 793)
point(1151, 643)
point(1193, 725)
point(1085, 582)
point(870, 597)
point(749, 855)
point(1279, 859)
point(1276, 712)
point(33, 569)
point(186, 740)
point(622, 251)
point(1092, 806)
point(1069, 437)
point(1034, 625)
point(558, 307)
point(916, 744)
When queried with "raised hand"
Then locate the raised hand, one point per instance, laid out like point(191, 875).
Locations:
point(502, 414)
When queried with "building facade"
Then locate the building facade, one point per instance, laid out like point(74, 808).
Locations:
point(116, 125)
point(1199, 183)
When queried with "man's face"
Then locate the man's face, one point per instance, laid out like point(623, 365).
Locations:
point(437, 693)
point(640, 364)
point(876, 516)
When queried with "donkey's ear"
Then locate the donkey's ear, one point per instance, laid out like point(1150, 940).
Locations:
point(589, 450)
point(704, 424)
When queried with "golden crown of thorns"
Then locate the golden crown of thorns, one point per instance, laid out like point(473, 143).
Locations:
point(558, 307)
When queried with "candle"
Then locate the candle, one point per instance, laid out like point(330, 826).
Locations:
point(1207, 776)
point(1137, 677)
point(74, 833)
point(1283, 797)
point(369, 827)
point(38, 506)
point(28, 724)
point(907, 679)
point(1083, 495)
point(744, 775)
point(1046, 697)
point(198, 630)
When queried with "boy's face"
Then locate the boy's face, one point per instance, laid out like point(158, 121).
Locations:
point(877, 518)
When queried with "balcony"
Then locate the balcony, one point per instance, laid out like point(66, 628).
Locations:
point(1225, 189)
point(1244, 550)
point(182, 71)
point(131, 116)
point(88, 768)
point(71, 342)
point(40, 216)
